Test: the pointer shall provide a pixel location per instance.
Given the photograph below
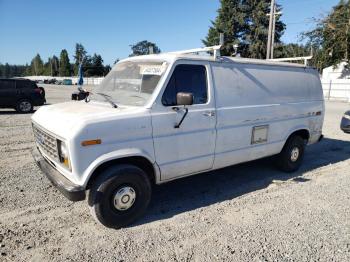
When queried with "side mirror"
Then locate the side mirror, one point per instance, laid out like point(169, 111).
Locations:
point(184, 99)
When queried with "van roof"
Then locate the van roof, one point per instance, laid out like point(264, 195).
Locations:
point(223, 59)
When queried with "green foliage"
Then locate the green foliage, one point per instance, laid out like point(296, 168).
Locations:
point(142, 48)
point(94, 66)
point(331, 37)
point(37, 65)
point(8, 71)
point(256, 35)
point(65, 66)
point(243, 22)
point(79, 57)
point(231, 22)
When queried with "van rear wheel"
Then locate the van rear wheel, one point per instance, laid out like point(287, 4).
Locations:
point(120, 195)
point(292, 154)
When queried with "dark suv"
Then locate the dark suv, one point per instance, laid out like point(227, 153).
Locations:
point(21, 94)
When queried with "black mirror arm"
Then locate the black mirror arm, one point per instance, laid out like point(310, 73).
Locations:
point(182, 119)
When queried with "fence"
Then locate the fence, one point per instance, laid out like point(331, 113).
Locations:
point(336, 89)
point(87, 80)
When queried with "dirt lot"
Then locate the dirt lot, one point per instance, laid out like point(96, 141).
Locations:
point(250, 212)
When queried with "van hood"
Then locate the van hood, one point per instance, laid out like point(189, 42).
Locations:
point(64, 119)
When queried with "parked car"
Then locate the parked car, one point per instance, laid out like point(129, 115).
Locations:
point(21, 95)
point(67, 82)
point(52, 81)
point(162, 117)
point(345, 122)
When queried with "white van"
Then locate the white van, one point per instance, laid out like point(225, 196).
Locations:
point(157, 118)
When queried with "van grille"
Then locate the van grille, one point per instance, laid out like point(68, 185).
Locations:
point(46, 142)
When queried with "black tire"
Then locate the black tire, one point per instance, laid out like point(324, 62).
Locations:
point(107, 186)
point(292, 154)
point(24, 106)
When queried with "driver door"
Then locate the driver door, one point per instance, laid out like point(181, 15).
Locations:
point(190, 148)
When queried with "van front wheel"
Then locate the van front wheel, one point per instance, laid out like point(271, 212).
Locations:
point(120, 195)
point(291, 157)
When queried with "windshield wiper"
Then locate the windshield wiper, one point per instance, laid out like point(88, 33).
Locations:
point(108, 98)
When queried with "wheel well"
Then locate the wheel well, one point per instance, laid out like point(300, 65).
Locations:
point(302, 133)
point(140, 162)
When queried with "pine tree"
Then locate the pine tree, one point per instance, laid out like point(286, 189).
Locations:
point(65, 67)
point(97, 63)
point(244, 22)
point(256, 34)
point(37, 65)
point(55, 66)
point(231, 22)
point(79, 57)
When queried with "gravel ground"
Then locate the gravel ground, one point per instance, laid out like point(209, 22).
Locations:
point(249, 212)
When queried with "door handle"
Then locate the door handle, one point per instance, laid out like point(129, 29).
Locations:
point(209, 113)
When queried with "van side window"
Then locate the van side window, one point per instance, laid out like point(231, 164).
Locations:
point(189, 79)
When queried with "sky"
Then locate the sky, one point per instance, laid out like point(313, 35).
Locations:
point(109, 27)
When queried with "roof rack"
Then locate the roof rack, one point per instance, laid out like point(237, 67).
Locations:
point(215, 49)
point(288, 59)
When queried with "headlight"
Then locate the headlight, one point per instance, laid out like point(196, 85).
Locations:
point(63, 154)
point(347, 116)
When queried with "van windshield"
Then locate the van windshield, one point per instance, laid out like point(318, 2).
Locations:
point(131, 83)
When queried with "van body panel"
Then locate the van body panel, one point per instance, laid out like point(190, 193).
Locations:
point(190, 148)
point(248, 96)
point(252, 108)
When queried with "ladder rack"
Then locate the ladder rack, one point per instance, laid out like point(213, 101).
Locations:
point(215, 49)
point(288, 59)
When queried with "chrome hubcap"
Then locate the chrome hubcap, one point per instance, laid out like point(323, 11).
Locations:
point(25, 106)
point(124, 198)
point(295, 154)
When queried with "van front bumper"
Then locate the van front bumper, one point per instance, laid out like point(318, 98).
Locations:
point(70, 190)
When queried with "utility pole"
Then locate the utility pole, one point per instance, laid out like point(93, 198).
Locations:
point(273, 31)
point(269, 39)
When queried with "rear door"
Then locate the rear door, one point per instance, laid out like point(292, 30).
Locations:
point(8, 92)
point(189, 148)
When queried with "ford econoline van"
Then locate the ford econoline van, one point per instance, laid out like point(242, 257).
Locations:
point(157, 118)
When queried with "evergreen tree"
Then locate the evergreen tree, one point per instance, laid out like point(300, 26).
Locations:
point(107, 69)
point(142, 48)
point(79, 57)
point(7, 71)
point(97, 64)
point(231, 22)
point(65, 67)
point(244, 23)
point(37, 65)
point(54, 65)
point(256, 33)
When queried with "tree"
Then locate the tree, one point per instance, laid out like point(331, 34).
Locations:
point(107, 69)
point(331, 37)
point(79, 57)
point(97, 63)
point(7, 71)
point(65, 67)
point(256, 32)
point(244, 23)
point(231, 22)
point(54, 65)
point(142, 48)
point(37, 65)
